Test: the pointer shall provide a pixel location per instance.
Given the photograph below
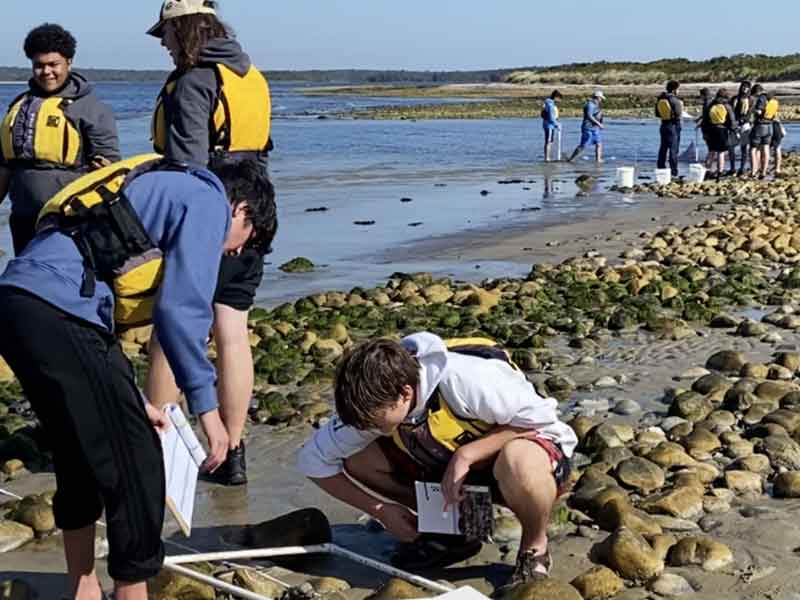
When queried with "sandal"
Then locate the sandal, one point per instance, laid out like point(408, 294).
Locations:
point(431, 551)
point(530, 567)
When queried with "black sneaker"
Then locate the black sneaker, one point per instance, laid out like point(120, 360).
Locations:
point(432, 551)
point(234, 470)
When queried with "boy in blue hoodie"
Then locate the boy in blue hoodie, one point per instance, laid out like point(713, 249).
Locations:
point(58, 338)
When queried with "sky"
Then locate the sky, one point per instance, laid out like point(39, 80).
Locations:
point(422, 34)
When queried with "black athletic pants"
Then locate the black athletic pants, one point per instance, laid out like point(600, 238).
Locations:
point(670, 143)
point(105, 451)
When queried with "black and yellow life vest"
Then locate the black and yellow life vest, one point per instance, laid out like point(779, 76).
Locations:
point(771, 110)
point(432, 441)
point(718, 114)
point(95, 213)
point(55, 139)
point(241, 119)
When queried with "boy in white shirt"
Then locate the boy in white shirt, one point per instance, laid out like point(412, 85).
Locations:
point(415, 411)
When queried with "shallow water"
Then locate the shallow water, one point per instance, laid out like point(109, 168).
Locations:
point(360, 169)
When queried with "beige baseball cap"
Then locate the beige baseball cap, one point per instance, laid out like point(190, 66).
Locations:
point(179, 8)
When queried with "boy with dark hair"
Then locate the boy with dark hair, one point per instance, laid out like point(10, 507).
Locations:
point(58, 314)
point(51, 134)
point(416, 411)
point(742, 114)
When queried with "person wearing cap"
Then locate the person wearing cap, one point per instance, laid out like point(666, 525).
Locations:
point(669, 108)
point(214, 108)
point(591, 127)
point(550, 122)
point(53, 133)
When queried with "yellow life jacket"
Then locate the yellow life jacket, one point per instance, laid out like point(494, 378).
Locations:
point(134, 274)
point(432, 442)
point(771, 110)
point(241, 120)
point(718, 114)
point(664, 109)
point(55, 139)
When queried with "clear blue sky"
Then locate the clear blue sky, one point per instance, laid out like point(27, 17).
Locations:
point(429, 34)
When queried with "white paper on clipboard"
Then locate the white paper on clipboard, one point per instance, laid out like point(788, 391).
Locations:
point(183, 456)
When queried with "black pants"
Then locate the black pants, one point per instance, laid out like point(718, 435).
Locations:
point(23, 230)
point(670, 143)
point(105, 451)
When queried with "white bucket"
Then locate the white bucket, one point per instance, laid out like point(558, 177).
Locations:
point(697, 173)
point(625, 177)
point(663, 176)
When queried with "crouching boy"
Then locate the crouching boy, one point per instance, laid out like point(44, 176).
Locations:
point(415, 410)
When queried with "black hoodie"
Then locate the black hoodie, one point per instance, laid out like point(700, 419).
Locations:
point(189, 109)
point(32, 186)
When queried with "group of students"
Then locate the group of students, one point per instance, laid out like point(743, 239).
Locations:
point(749, 121)
point(177, 238)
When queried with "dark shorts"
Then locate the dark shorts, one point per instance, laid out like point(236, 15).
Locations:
point(239, 278)
point(761, 135)
point(407, 470)
point(720, 139)
point(106, 454)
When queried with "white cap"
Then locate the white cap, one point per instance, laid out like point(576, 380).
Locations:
point(179, 8)
point(599, 94)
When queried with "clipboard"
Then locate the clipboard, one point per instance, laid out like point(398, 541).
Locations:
point(183, 456)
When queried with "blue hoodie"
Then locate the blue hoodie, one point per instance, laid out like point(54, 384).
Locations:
point(187, 215)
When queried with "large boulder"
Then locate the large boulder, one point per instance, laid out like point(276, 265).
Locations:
point(540, 589)
point(787, 485)
point(683, 503)
point(629, 554)
point(640, 474)
point(782, 451)
point(702, 551)
point(727, 361)
point(398, 589)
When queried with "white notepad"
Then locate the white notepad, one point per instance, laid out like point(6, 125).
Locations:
point(431, 514)
point(183, 456)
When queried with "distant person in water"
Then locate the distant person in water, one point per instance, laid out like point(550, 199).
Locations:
point(550, 123)
point(669, 108)
point(591, 127)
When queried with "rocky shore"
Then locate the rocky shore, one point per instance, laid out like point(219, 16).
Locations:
point(676, 362)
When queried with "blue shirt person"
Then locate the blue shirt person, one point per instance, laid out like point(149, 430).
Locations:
point(550, 122)
point(591, 127)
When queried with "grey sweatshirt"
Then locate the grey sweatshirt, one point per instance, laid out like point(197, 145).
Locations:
point(189, 109)
point(32, 186)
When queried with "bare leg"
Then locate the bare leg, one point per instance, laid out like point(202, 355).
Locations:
point(525, 475)
point(130, 591)
point(754, 162)
point(578, 151)
point(598, 153)
point(235, 369)
point(720, 164)
point(778, 160)
point(764, 160)
point(79, 551)
point(547, 146)
point(371, 468)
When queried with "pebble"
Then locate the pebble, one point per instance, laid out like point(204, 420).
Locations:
point(605, 382)
point(670, 584)
point(627, 407)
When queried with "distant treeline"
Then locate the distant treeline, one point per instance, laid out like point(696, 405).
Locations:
point(724, 68)
point(316, 76)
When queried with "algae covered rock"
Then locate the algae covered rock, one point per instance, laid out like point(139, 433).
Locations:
point(13, 535)
point(297, 265)
point(727, 361)
point(640, 474)
point(702, 551)
point(540, 589)
point(598, 583)
point(787, 485)
point(629, 554)
point(169, 585)
point(398, 589)
point(256, 582)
